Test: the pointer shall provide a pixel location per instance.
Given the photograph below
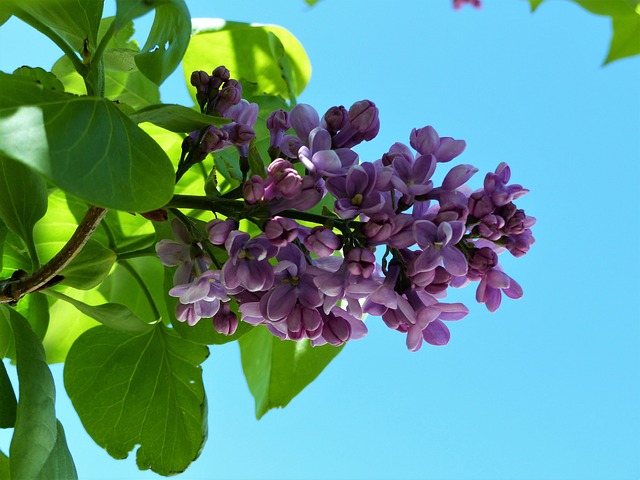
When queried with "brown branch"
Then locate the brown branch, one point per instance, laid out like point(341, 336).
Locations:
point(17, 286)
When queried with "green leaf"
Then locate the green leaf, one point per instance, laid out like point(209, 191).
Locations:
point(168, 38)
point(76, 21)
point(4, 466)
point(7, 340)
point(128, 87)
point(112, 315)
point(38, 448)
point(141, 389)
point(612, 8)
point(249, 52)
point(175, 118)
point(41, 77)
point(35, 308)
point(67, 323)
point(8, 402)
point(84, 145)
point(14, 255)
point(51, 233)
point(311, 3)
point(23, 200)
point(626, 38)
point(277, 370)
point(535, 4)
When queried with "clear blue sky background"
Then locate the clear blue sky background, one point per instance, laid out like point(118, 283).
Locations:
point(548, 386)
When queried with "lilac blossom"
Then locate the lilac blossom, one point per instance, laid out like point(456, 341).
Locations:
point(426, 141)
point(248, 265)
point(438, 244)
point(322, 241)
point(359, 191)
point(200, 298)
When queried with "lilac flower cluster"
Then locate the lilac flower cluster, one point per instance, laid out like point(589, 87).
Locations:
point(319, 281)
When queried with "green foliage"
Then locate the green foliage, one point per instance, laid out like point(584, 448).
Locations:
point(268, 56)
point(168, 38)
point(23, 201)
point(38, 447)
point(625, 16)
point(276, 370)
point(123, 80)
point(84, 145)
point(8, 402)
point(175, 118)
point(143, 388)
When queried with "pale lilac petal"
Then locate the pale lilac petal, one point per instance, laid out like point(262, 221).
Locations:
point(436, 333)
point(454, 261)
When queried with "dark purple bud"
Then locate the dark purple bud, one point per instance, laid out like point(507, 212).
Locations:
point(440, 281)
point(239, 134)
point(213, 140)
point(283, 180)
point(483, 259)
point(200, 79)
point(277, 123)
point(218, 230)
point(364, 116)
point(159, 215)
point(253, 189)
point(281, 231)
point(225, 321)
point(230, 95)
point(518, 245)
point(361, 262)
point(335, 119)
point(322, 241)
point(218, 77)
point(336, 330)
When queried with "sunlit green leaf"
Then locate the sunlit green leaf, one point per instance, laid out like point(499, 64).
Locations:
point(85, 145)
point(175, 118)
point(8, 403)
point(168, 38)
point(52, 232)
point(4, 466)
point(143, 389)
point(7, 341)
point(76, 21)
point(67, 323)
point(38, 448)
point(250, 53)
point(112, 315)
point(35, 308)
point(277, 370)
point(626, 38)
point(23, 199)
point(41, 76)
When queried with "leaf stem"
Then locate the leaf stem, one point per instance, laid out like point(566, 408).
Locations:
point(14, 289)
point(143, 286)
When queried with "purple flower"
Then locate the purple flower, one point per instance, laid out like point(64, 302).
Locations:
point(360, 261)
point(493, 284)
point(281, 231)
point(438, 244)
point(359, 191)
point(427, 141)
point(219, 230)
point(253, 189)
point(339, 327)
point(293, 286)
point(318, 158)
point(322, 241)
point(248, 265)
point(413, 178)
point(283, 180)
point(225, 321)
point(200, 298)
point(312, 192)
point(362, 124)
point(277, 123)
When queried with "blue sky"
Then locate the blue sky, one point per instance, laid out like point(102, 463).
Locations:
point(545, 388)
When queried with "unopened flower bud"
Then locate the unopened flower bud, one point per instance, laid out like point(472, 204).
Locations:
point(361, 262)
point(335, 119)
point(213, 140)
point(277, 123)
point(225, 321)
point(281, 231)
point(218, 230)
point(253, 189)
point(322, 241)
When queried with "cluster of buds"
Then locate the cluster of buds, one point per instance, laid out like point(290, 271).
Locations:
point(316, 276)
